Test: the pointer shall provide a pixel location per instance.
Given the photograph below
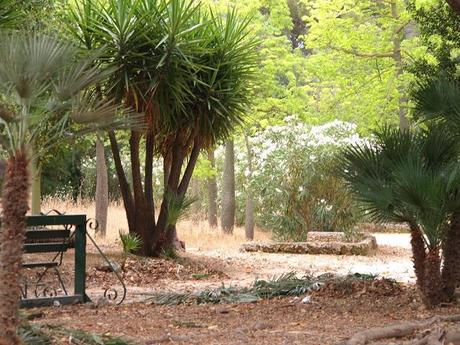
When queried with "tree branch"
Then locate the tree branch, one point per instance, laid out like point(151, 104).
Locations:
point(363, 55)
point(190, 167)
point(122, 180)
point(454, 5)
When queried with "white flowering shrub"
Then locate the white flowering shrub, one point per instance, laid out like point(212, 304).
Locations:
point(294, 183)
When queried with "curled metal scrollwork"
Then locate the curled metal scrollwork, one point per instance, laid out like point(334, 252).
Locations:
point(92, 224)
point(111, 294)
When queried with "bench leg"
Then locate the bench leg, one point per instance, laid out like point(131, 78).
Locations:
point(61, 282)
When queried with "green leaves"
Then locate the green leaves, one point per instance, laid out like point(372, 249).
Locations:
point(130, 242)
point(47, 85)
point(438, 99)
point(185, 67)
point(406, 176)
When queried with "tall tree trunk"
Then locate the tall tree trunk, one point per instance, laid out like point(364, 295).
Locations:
point(397, 57)
point(212, 192)
point(451, 254)
point(195, 191)
point(227, 218)
point(36, 192)
point(12, 234)
point(102, 188)
point(249, 216)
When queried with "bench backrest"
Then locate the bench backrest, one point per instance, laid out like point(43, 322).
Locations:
point(46, 241)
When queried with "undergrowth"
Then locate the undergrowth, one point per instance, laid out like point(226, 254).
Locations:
point(287, 284)
point(52, 334)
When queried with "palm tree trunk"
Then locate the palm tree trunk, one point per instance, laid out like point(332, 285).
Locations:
point(212, 193)
point(451, 253)
point(227, 218)
point(102, 188)
point(418, 254)
point(36, 176)
point(249, 215)
point(433, 292)
point(12, 234)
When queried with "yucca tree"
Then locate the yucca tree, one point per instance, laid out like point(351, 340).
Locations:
point(189, 72)
point(42, 83)
point(413, 178)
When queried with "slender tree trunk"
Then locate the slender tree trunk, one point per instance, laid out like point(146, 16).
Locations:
point(212, 192)
point(195, 191)
point(12, 234)
point(102, 188)
point(249, 216)
point(451, 254)
point(36, 192)
point(397, 57)
point(227, 218)
point(125, 189)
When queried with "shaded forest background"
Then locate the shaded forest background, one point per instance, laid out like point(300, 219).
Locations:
point(329, 73)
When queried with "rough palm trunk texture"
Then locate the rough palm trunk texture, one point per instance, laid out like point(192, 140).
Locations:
point(451, 253)
point(36, 177)
point(12, 233)
point(434, 292)
point(227, 218)
point(212, 193)
point(102, 188)
point(418, 254)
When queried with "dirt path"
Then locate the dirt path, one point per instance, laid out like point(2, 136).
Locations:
point(241, 269)
point(325, 320)
point(392, 261)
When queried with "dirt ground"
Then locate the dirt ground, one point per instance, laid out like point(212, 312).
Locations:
point(325, 320)
point(329, 317)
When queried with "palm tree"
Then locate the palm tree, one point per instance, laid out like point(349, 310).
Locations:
point(41, 91)
point(413, 178)
point(438, 100)
point(189, 72)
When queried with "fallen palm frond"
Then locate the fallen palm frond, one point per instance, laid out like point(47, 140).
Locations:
point(46, 334)
point(287, 284)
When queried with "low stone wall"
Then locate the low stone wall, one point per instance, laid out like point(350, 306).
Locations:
point(326, 243)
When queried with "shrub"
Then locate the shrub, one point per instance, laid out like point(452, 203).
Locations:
point(294, 181)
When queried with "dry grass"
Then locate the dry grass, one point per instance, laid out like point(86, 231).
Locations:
point(196, 234)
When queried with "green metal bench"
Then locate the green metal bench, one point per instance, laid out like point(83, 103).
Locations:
point(55, 235)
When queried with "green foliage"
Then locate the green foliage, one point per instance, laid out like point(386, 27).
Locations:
point(294, 182)
point(130, 242)
point(410, 177)
point(287, 284)
point(45, 79)
point(170, 253)
point(193, 65)
point(438, 26)
point(178, 206)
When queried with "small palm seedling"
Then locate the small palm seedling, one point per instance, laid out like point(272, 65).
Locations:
point(131, 244)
